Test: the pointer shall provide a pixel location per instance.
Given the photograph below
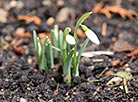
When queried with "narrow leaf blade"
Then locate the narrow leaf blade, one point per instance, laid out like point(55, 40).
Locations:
point(67, 68)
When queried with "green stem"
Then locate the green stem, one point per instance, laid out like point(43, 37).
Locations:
point(79, 22)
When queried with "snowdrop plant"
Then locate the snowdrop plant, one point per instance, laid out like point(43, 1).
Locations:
point(65, 45)
point(90, 36)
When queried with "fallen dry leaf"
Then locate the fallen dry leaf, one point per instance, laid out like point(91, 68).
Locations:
point(116, 9)
point(98, 7)
point(117, 63)
point(121, 11)
point(105, 12)
point(108, 73)
point(132, 53)
point(121, 45)
point(34, 19)
point(19, 50)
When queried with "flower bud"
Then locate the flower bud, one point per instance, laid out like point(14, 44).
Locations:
point(70, 39)
point(90, 34)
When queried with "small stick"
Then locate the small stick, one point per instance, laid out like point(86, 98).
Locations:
point(104, 27)
point(125, 85)
point(97, 89)
point(102, 72)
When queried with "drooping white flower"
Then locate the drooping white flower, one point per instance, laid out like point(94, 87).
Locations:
point(70, 39)
point(91, 35)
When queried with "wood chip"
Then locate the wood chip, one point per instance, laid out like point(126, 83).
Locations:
point(19, 50)
point(115, 63)
point(116, 9)
point(34, 19)
point(132, 53)
point(104, 27)
point(98, 7)
point(108, 73)
point(50, 21)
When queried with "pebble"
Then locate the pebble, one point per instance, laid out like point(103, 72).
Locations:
point(23, 100)
point(64, 14)
point(3, 15)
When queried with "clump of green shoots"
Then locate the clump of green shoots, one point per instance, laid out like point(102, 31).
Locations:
point(64, 45)
point(44, 52)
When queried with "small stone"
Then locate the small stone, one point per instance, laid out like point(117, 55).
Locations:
point(3, 15)
point(46, 2)
point(60, 3)
point(1, 93)
point(64, 14)
point(8, 38)
point(23, 100)
point(19, 32)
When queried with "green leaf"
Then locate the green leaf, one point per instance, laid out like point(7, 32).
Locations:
point(67, 68)
point(82, 48)
point(35, 40)
point(38, 49)
point(54, 38)
point(60, 39)
point(76, 70)
point(43, 60)
point(37, 44)
point(50, 54)
point(56, 31)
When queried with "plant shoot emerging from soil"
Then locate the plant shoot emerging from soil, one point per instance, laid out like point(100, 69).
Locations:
point(64, 45)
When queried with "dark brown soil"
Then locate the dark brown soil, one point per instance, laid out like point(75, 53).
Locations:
point(22, 81)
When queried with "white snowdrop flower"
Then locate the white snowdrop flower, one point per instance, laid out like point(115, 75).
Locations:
point(91, 35)
point(70, 39)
